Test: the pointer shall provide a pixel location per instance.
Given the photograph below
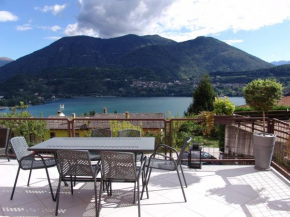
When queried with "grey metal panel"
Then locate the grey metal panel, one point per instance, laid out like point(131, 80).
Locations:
point(132, 144)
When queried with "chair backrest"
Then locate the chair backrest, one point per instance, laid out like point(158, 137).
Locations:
point(185, 144)
point(74, 163)
point(129, 133)
point(19, 146)
point(4, 139)
point(118, 165)
point(101, 133)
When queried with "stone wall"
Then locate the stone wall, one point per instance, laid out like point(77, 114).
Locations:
point(238, 141)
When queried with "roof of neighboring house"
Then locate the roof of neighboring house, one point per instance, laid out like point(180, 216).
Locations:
point(285, 101)
point(105, 124)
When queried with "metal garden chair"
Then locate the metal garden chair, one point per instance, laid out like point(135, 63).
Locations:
point(27, 161)
point(129, 133)
point(121, 167)
point(95, 155)
point(132, 133)
point(4, 141)
point(76, 164)
point(167, 163)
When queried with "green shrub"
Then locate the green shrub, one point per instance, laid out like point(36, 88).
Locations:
point(223, 106)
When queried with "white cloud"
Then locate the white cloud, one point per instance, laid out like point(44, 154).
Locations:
point(233, 41)
point(24, 27)
point(6, 16)
point(28, 26)
point(54, 38)
point(177, 19)
point(74, 29)
point(54, 9)
point(54, 28)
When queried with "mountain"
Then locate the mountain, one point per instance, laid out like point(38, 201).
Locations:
point(154, 54)
point(193, 57)
point(279, 63)
point(5, 60)
point(278, 72)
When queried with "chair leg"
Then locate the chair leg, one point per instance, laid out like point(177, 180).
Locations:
point(134, 197)
point(183, 176)
point(100, 197)
point(15, 183)
point(29, 177)
point(96, 197)
point(146, 181)
point(142, 155)
point(71, 185)
point(8, 158)
point(49, 183)
point(147, 192)
point(57, 196)
point(181, 184)
point(138, 193)
point(107, 187)
point(30, 173)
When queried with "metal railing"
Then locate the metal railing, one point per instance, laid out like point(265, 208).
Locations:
point(173, 130)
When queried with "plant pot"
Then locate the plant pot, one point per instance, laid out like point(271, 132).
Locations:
point(263, 150)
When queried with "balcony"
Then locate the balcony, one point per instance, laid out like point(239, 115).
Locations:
point(214, 190)
point(232, 190)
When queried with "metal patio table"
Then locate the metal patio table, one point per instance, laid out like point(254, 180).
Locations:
point(125, 144)
point(122, 144)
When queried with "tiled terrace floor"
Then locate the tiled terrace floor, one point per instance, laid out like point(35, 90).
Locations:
point(213, 191)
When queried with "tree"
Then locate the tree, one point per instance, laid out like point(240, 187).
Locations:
point(203, 97)
point(32, 130)
point(263, 95)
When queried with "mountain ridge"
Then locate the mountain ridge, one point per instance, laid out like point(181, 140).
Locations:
point(5, 60)
point(281, 62)
point(163, 56)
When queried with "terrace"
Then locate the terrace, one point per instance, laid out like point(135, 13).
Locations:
point(214, 190)
point(231, 190)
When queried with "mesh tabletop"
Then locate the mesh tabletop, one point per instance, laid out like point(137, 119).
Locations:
point(132, 144)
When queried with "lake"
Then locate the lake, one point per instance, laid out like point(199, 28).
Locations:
point(175, 105)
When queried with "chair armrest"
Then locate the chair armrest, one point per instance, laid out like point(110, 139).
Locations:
point(31, 156)
point(27, 156)
point(165, 156)
point(165, 146)
point(156, 153)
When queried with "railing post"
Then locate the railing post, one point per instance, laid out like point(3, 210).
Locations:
point(73, 127)
point(253, 125)
point(270, 127)
point(165, 132)
point(170, 136)
point(69, 128)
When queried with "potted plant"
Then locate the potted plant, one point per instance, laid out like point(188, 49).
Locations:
point(263, 95)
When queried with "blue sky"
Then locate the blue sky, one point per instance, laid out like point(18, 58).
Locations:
point(258, 27)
